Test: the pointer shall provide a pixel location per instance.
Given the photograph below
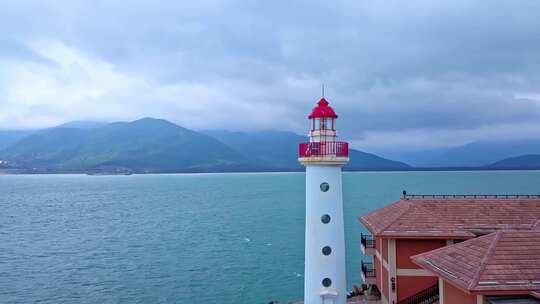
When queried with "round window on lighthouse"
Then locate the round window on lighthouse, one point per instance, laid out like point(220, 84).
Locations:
point(326, 282)
point(324, 187)
point(325, 219)
point(326, 250)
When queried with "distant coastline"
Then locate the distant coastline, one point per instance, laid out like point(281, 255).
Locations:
point(105, 173)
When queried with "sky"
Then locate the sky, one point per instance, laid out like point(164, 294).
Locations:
point(407, 75)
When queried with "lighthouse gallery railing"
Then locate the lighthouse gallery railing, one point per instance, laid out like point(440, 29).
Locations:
point(320, 149)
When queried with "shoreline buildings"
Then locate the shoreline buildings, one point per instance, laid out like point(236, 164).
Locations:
point(468, 249)
point(323, 157)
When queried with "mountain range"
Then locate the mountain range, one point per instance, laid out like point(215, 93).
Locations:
point(483, 154)
point(524, 162)
point(156, 145)
point(281, 149)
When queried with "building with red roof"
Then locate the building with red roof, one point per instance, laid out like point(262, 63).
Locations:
point(404, 234)
point(500, 263)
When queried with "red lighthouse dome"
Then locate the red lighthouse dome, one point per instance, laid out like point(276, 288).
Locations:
point(322, 110)
point(322, 137)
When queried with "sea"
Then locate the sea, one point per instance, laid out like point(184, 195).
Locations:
point(188, 238)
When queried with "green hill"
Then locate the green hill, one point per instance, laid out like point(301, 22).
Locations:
point(156, 145)
point(147, 145)
point(45, 149)
point(10, 137)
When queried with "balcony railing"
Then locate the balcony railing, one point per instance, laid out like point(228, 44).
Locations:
point(367, 269)
point(471, 196)
point(321, 149)
point(367, 241)
point(427, 296)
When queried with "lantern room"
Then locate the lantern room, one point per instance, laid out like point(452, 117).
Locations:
point(323, 123)
point(322, 134)
point(323, 116)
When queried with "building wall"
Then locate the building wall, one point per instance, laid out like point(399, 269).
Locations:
point(379, 245)
point(385, 249)
point(384, 289)
point(392, 259)
point(405, 248)
point(410, 285)
point(411, 278)
point(377, 263)
point(381, 272)
point(453, 295)
point(378, 271)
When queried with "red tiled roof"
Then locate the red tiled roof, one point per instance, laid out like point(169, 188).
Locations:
point(500, 261)
point(459, 218)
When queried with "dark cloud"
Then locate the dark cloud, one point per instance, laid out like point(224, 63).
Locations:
point(389, 66)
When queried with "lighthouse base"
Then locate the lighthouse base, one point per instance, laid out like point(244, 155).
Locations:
point(324, 275)
point(354, 300)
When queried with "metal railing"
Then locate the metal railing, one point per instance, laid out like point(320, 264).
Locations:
point(465, 196)
point(367, 240)
point(426, 296)
point(367, 269)
point(320, 149)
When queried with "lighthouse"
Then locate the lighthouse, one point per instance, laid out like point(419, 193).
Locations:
point(324, 156)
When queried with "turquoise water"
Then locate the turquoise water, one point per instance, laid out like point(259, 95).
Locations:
point(201, 238)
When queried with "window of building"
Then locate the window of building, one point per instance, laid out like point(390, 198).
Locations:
point(324, 187)
point(325, 219)
point(317, 123)
point(326, 250)
point(326, 282)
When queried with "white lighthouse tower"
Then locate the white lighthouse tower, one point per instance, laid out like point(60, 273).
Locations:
point(323, 156)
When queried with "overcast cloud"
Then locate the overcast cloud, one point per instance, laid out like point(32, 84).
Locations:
point(412, 74)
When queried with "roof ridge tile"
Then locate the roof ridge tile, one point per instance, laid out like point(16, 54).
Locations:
point(536, 224)
point(408, 207)
point(485, 259)
point(365, 219)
